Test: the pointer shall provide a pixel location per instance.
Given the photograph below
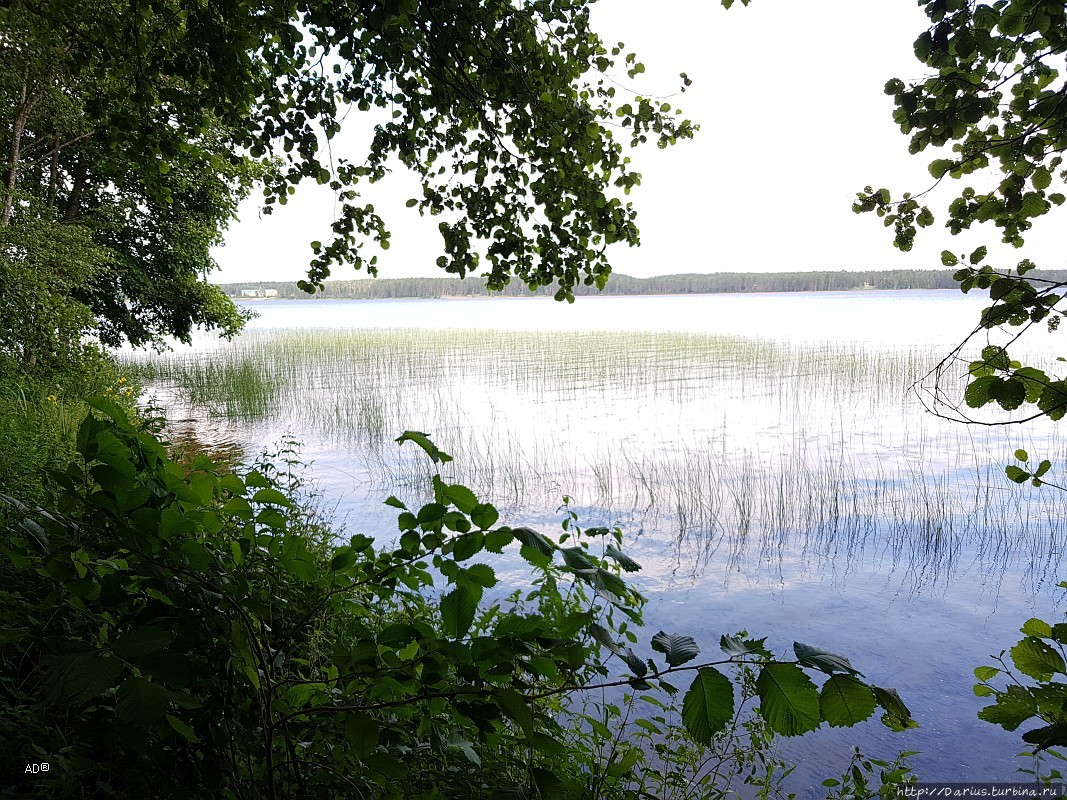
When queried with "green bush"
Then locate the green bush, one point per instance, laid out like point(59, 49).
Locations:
point(185, 631)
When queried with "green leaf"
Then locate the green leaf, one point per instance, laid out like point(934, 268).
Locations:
point(458, 608)
point(1036, 659)
point(461, 497)
point(822, 660)
point(140, 702)
point(1016, 474)
point(604, 636)
point(708, 706)
point(184, 730)
point(636, 665)
point(1037, 627)
point(481, 574)
point(1011, 710)
point(789, 700)
point(1041, 178)
point(361, 732)
point(516, 707)
point(495, 541)
point(736, 647)
point(897, 717)
point(948, 258)
point(1054, 735)
point(986, 673)
point(620, 558)
point(84, 676)
point(271, 496)
point(977, 393)
point(484, 516)
point(677, 648)
point(141, 640)
point(1022, 455)
point(423, 440)
point(531, 538)
point(1009, 393)
point(468, 545)
point(520, 625)
point(845, 701)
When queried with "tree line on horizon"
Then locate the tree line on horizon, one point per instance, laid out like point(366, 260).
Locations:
point(619, 284)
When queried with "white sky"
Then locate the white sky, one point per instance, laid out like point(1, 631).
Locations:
point(793, 122)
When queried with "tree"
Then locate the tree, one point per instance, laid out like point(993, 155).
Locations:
point(143, 124)
point(110, 204)
point(998, 98)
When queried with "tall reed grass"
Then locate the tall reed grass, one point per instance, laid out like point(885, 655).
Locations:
point(754, 446)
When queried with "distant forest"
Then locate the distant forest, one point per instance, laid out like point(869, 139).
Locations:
point(687, 283)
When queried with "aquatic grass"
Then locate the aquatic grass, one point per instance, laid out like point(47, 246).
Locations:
point(713, 441)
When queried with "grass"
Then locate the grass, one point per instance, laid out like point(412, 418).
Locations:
point(722, 441)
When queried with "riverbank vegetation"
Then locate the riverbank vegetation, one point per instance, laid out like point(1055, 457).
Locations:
point(187, 628)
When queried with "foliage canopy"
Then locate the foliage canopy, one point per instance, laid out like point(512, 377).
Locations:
point(130, 131)
point(997, 98)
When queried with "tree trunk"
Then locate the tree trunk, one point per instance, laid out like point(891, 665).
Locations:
point(80, 172)
point(53, 173)
point(16, 146)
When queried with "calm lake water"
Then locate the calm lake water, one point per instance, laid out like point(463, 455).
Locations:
point(768, 456)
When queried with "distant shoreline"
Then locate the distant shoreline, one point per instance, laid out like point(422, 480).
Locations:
point(619, 285)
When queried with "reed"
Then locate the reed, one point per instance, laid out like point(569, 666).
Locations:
point(720, 442)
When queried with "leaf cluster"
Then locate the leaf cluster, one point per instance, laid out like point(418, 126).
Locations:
point(1039, 657)
point(191, 627)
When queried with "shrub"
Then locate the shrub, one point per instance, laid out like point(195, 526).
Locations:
point(191, 631)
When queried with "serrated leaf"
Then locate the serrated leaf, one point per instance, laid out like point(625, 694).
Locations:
point(636, 665)
point(1037, 627)
point(736, 647)
point(620, 558)
point(140, 702)
point(461, 497)
point(84, 676)
point(986, 673)
point(1010, 711)
point(481, 574)
point(361, 732)
point(1036, 659)
point(271, 496)
point(484, 515)
point(677, 648)
point(458, 608)
point(468, 545)
point(822, 660)
point(789, 700)
point(708, 706)
point(897, 717)
point(516, 624)
point(603, 635)
point(845, 701)
point(180, 727)
point(531, 538)
point(496, 541)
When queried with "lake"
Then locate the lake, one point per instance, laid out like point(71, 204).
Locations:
point(770, 458)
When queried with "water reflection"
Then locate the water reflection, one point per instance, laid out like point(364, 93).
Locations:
point(795, 488)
